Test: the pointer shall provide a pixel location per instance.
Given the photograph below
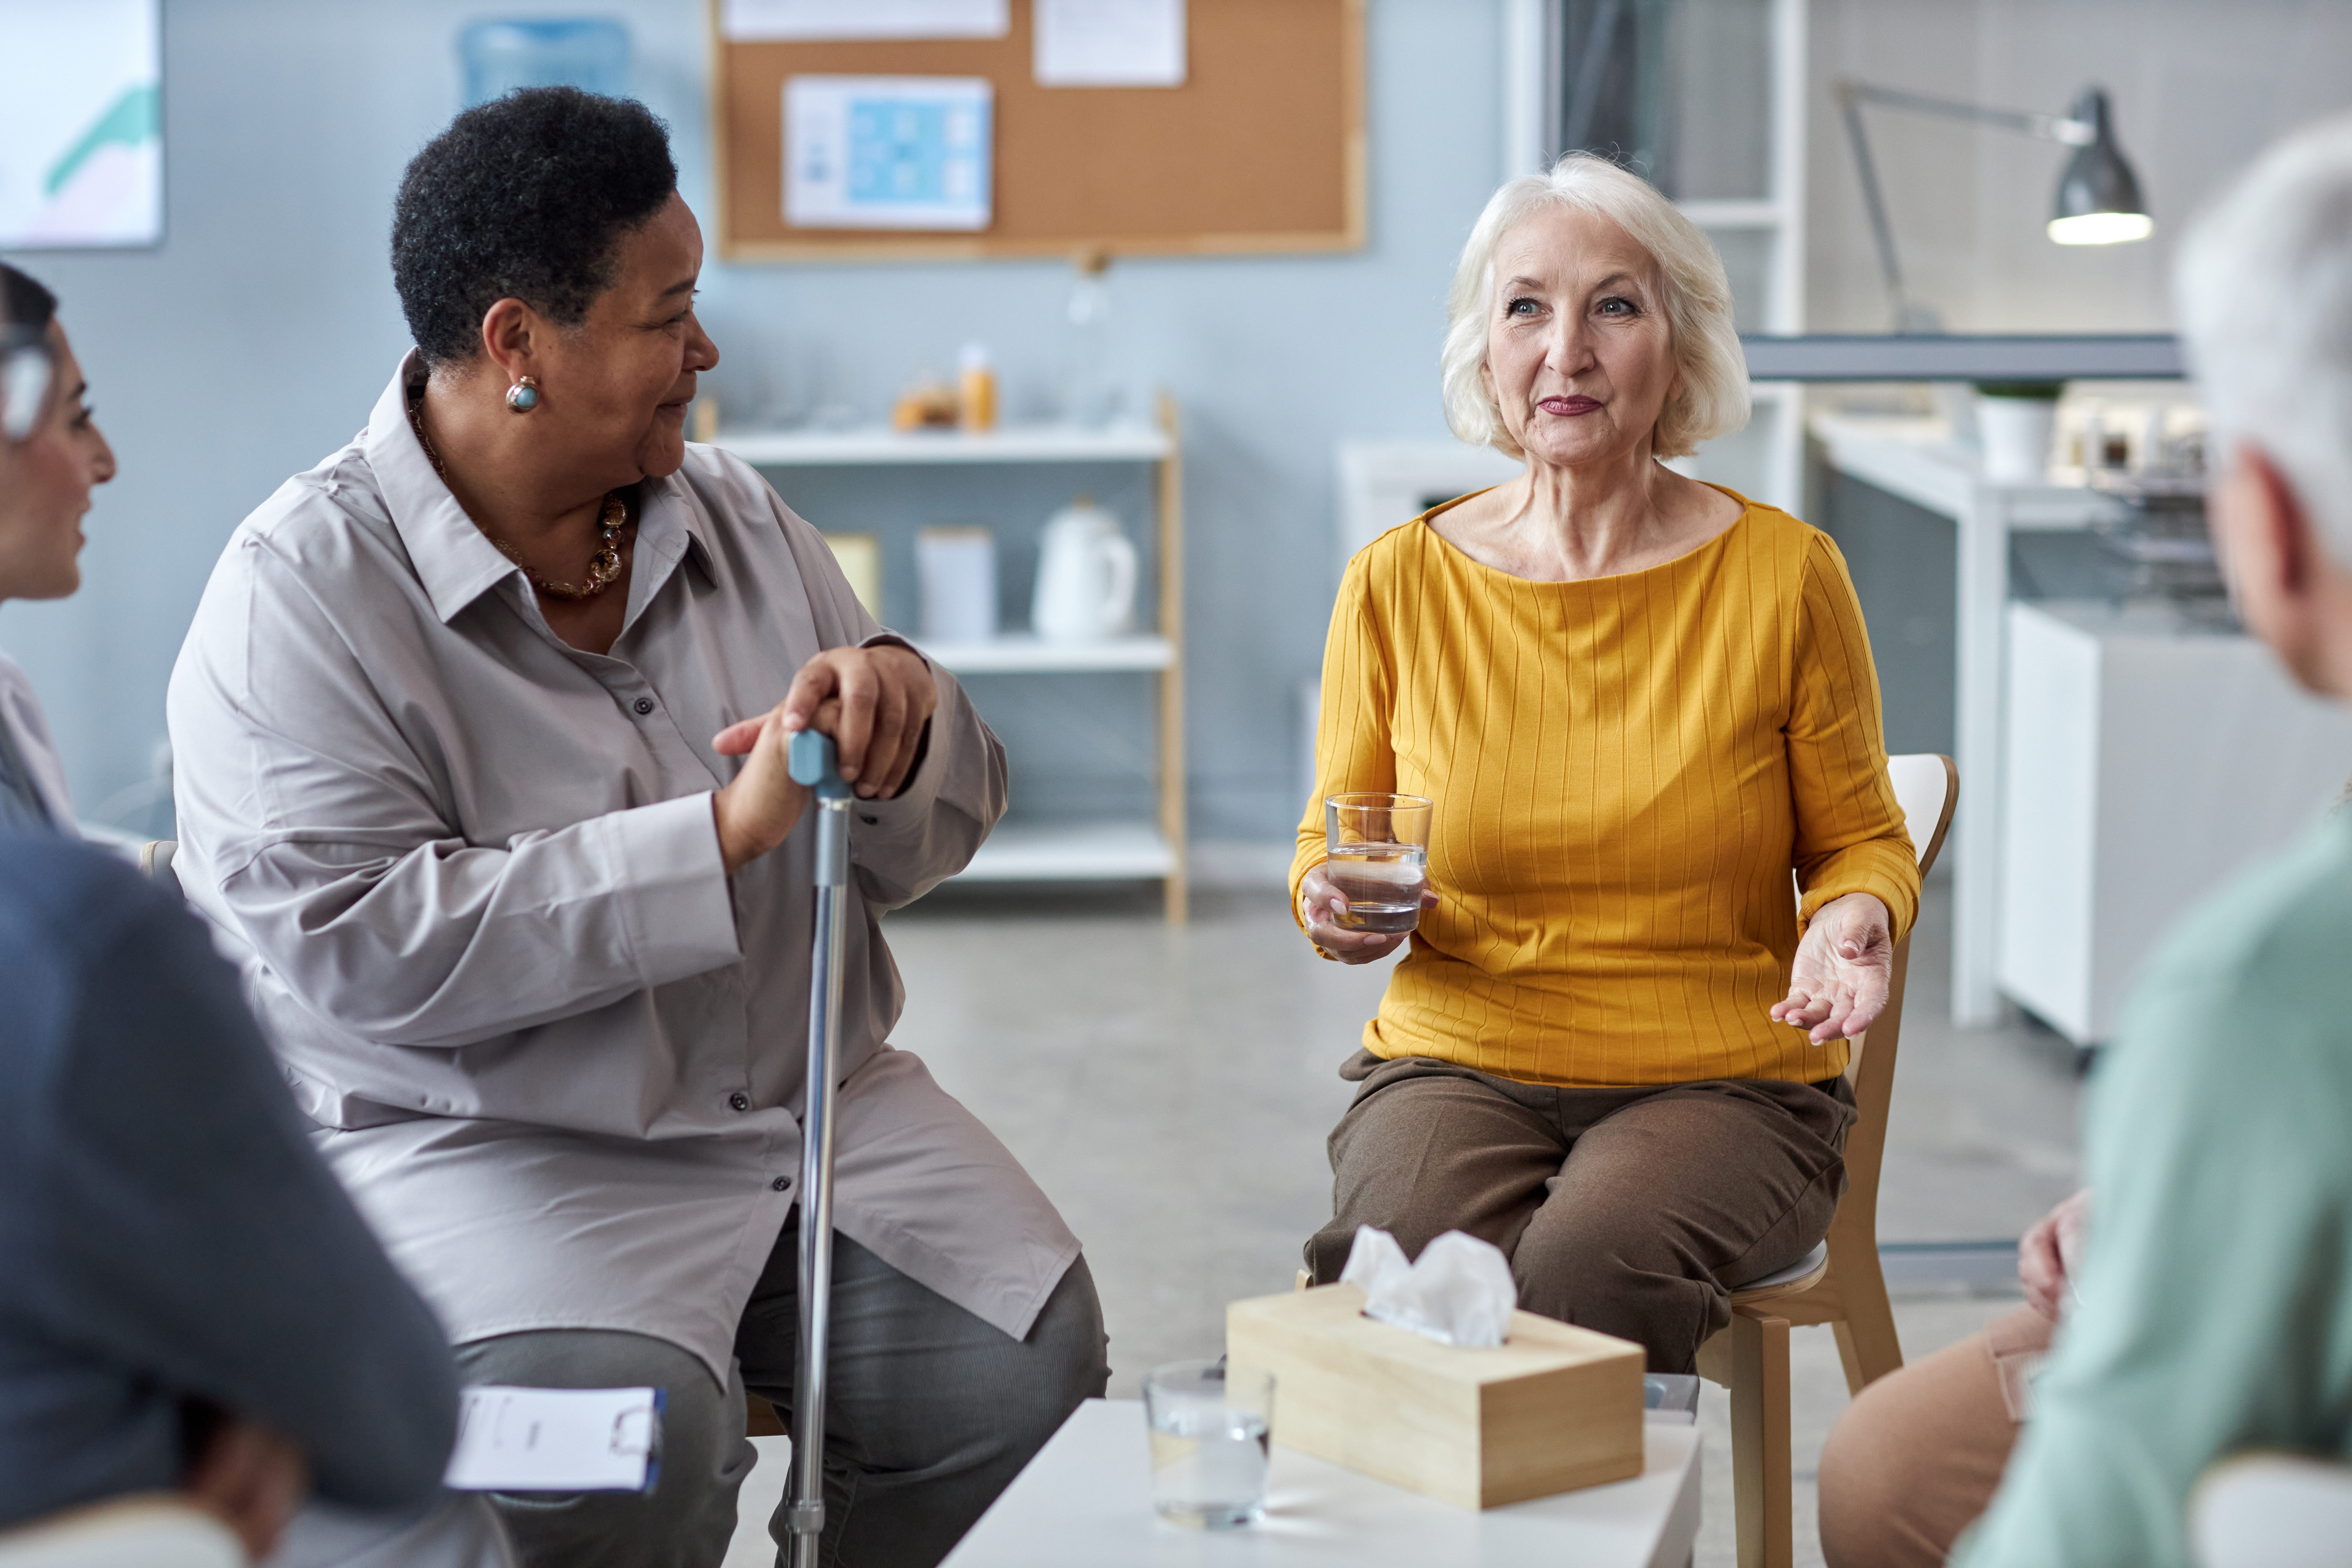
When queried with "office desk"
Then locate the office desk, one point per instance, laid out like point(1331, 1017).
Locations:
point(1913, 459)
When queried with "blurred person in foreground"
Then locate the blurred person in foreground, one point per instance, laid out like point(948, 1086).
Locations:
point(1640, 702)
point(2209, 1310)
point(188, 1302)
point(479, 736)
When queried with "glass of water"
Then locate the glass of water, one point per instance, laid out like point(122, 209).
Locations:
point(1209, 1434)
point(1376, 849)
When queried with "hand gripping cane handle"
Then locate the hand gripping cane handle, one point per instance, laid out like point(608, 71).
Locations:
point(814, 761)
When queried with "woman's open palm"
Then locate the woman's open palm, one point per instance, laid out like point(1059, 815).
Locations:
point(1837, 986)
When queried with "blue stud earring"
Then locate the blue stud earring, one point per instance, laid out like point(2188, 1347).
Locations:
point(523, 396)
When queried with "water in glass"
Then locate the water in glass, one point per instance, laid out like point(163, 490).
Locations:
point(1209, 1433)
point(1381, 882)
point(1208, 1466)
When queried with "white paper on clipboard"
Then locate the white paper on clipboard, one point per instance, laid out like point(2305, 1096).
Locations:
point(796, 21)
point(514, 1439)
point(1108, 43)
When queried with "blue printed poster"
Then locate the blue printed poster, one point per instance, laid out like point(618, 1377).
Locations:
point(887, 152)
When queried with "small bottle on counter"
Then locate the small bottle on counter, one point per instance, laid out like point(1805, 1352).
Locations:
point(977, 388)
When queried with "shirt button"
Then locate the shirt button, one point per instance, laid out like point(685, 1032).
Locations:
point(643, 705)
point(739, 1101)
point(781, 1184)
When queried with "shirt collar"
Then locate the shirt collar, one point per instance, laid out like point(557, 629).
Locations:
point(455, 561)
point(453, 558)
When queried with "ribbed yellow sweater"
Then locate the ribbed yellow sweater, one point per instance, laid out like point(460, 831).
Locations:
point(1627, 770)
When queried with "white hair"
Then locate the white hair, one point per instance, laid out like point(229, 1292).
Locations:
point(1713, 398)
point(2264, 290)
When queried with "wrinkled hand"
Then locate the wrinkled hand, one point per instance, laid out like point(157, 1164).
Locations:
point(2047, 1255)
point(1319, 906)
point(1837, 986)
point(873, 701)
point(252, 1479)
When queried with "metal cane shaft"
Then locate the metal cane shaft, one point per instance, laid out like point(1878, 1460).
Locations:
point(804, 1511)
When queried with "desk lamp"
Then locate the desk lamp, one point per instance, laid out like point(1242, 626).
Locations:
point(2099, 200)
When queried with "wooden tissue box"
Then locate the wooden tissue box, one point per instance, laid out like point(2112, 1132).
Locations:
point(1555, 1408)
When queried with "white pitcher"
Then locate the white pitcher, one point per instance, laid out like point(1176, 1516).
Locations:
point(1085, 576)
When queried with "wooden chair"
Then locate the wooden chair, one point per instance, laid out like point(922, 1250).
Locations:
point(151, 1530)
point(155, 858)
point(2272, 1510)
point(1839, 1282)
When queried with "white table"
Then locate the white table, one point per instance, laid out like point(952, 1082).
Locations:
point(1914, 459)
point(1085, 1501)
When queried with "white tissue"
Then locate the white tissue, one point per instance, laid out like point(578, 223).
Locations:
point(1458, 1291)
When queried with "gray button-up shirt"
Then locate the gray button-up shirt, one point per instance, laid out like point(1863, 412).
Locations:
point(493, 935)
point(31, 759)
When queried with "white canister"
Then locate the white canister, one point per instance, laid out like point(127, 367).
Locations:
point(1085, 576)
point(957, 567)
point(2017, 433)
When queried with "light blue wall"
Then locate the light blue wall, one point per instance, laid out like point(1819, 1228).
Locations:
point(257, 338)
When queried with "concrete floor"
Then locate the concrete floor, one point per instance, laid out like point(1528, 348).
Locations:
point(1171, 1088)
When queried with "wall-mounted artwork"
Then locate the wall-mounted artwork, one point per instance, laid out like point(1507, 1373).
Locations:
point(81, 125)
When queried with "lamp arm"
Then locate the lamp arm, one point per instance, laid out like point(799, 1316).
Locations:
point(1873, 202)
point(1852, 95)
point(2045, 127)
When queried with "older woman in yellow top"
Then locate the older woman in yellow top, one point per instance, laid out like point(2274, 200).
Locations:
point(1640, 702)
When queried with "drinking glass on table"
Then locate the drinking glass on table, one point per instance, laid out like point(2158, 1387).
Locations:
point(1376, 858)
point(1209, 1434)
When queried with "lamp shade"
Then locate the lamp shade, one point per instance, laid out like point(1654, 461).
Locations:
point(2098, 195)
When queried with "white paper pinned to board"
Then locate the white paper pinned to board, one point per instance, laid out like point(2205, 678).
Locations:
point(1108, 43)
point(801, 21)
point(514, 1439)
point(888, 151)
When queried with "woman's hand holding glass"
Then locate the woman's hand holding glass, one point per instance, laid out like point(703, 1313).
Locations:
point(1837, 986)
point(1322, 908)
point(874, 702)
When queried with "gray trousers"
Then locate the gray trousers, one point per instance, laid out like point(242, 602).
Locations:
point(929, 1414)
point(460, 1531)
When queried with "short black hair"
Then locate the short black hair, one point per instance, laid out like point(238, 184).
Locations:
point(24, 302)
point(523, 197)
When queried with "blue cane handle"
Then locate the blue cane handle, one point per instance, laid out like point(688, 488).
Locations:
point(816, 761)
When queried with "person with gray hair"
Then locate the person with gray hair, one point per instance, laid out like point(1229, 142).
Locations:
point(1640, 703)
point(2211, 1305)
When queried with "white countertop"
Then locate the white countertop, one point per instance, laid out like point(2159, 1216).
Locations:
point(1918, 459)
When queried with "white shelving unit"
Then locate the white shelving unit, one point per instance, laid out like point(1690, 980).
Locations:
point(1023, 655)
point(1077, 852)
point(880, 446)
point(1773, 469)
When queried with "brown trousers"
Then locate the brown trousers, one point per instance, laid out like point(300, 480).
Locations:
point(1917, 1457)
point(1632, 1210)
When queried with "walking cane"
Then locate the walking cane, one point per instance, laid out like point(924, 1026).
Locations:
point(814, 762)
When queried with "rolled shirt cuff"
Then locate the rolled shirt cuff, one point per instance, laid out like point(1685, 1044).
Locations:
point(672, 886)
point(906, 814)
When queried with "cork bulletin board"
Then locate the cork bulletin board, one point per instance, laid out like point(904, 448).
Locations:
point(1261, 149)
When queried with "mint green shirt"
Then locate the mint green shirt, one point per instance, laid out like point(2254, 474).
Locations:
point(2216, 1293)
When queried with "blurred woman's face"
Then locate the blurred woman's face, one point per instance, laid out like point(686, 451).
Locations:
point(45, 485)
point(620, 383)
point(1580, 358)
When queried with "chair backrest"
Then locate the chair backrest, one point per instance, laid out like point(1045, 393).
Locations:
point(2272, 1510)
point(158, 1530)
point(1926, 786)
point(155, 857)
